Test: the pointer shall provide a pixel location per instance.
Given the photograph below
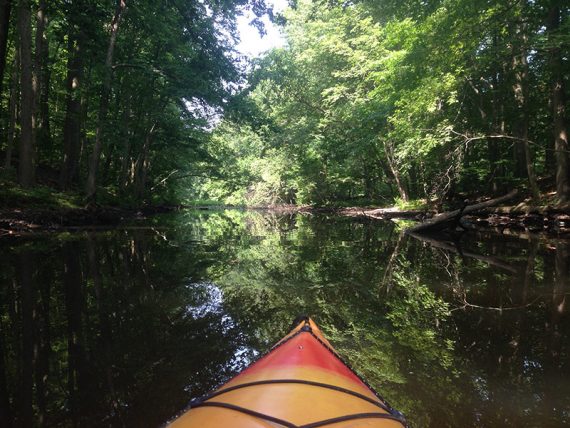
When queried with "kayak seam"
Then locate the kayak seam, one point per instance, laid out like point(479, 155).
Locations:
point(298, 381)
point(351, 418)
point(392, 415)
point(197, 401)
point(283, 422)
point(248, 412)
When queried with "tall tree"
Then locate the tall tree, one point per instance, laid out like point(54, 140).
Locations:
point(519, 47)
point(26, 167)
point(12, 111)
point(104, 100)
point(561, 146)
point(40, 77)
point(73, 112)
point(5, 11)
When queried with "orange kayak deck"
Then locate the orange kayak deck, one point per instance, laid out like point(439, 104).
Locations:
point(300, 383)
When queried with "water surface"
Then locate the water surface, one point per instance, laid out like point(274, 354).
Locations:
point(121, 328)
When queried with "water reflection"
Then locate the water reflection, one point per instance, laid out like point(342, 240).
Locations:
point(122, 328)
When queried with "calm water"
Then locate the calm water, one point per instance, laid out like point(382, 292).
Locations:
point(122, 328)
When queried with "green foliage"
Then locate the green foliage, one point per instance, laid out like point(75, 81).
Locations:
point(173, 68)
point(371, 93)
point(247, 172)
point(416, 204)
point(14, 196)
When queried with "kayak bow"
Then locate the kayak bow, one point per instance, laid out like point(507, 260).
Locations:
point(300, 383)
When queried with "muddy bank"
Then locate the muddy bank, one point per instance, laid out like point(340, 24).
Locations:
point(14, 221)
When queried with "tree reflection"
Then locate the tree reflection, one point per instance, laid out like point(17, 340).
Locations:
point(95, 326)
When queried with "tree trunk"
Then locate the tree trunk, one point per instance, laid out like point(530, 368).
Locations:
point(5, 11)
point(104, 102)
point(72, 124)
point(519, 69)
point(44, 107)
point(496, 169)
point(41, 90)
point(558, 108)
point(493, 157)
point(519, 155)
point(535, 193)
point(142, 164)
point(13, 111)
point(523, 163)
point(126, 155)
point(26, 151)
point(389, 150)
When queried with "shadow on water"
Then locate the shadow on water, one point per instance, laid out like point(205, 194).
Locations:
point(122, 328)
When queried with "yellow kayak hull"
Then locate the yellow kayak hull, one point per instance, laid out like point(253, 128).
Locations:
point(301, 382)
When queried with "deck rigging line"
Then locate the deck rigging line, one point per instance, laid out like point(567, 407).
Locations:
point(383, 404)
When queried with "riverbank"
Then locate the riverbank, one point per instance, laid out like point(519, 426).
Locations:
point(43, 209)
point(16, 221)
point(519, 217)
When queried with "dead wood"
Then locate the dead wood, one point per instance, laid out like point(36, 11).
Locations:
point(447, 219)
point(384, 213)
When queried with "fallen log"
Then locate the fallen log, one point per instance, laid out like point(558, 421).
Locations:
point(384, 213)
point(447, 219)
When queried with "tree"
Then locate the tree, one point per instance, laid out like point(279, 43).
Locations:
point(164, 66)
point(559, 124)
point(26, 159)
point(104, 100)
point(5, 11)
point(407, 100)
point(74, 79)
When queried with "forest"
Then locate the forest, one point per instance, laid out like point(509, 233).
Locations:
point(367, 103)
point(110, 99)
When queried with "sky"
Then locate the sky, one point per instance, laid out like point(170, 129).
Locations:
point(252, 44)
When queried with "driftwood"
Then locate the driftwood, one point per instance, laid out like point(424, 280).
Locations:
point(524, 208)
point(384, 213)
point(448, 219)
point(450, 246)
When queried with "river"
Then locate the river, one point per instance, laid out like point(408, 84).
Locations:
point(120, 328)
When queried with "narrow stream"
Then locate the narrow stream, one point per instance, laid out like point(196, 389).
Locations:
point(121, 328)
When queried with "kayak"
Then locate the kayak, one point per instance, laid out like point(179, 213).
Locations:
point(302, 382)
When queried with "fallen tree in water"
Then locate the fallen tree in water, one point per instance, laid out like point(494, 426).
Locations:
point(450, 220)
point(385, 213)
